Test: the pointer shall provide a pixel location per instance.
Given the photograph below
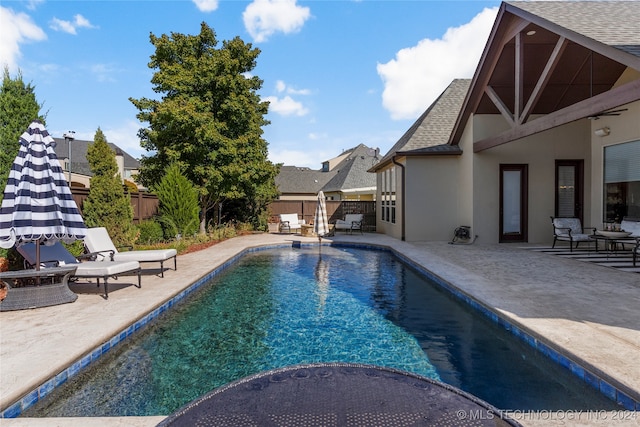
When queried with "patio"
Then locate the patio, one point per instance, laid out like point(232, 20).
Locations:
point(584, 311)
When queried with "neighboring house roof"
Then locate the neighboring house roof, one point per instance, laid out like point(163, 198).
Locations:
point(546, 64)
point(430, 133)
point(301, 180)
point(79, 162)
point(351, 173)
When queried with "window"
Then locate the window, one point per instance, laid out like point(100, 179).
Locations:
point(622, 181)
point(388, 196)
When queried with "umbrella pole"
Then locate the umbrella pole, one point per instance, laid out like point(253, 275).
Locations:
point(38, 261)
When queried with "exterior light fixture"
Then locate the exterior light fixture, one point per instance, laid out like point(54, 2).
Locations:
point(603, 131)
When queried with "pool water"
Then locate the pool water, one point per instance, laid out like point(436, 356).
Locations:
point(281, 307)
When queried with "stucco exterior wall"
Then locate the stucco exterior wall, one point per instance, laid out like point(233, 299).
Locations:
point(539, 152)
point(432, 198)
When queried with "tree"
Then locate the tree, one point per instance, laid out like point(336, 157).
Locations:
point(107, 205)
point(178, 198)
point(18, 108)
point(209, 119)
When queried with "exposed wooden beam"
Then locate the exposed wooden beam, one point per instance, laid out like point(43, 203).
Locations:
point(518, 78)
point(504, 110)
point(543, 79)
point(613, 98)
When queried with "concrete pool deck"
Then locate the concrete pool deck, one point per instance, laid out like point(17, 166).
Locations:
point(586, 312)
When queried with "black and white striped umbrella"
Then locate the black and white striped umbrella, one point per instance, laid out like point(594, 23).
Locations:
point(38, 204)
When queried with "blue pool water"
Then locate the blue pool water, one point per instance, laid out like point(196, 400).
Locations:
point(282, 307)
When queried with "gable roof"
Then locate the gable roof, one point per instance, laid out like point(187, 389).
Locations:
point(301, 180)
point(562, 60)
point(79, 148)
point(351, 173)
point(431, 132)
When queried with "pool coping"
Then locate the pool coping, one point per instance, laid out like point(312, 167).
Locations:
point(583, 370)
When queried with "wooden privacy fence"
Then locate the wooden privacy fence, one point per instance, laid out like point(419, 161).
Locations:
point(306, 210)
point(145, 205)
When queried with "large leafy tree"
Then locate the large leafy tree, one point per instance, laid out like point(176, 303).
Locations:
point(209, 119)
point(107, 205)
point(18, 108)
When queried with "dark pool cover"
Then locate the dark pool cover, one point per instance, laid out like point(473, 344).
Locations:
point(337, 394)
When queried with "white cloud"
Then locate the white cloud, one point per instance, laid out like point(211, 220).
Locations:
point(17, 28)
point(286, 106)
point(206, 5)
point(103, 72)
point(125, 136)
point(301, 158)
point(283, 87)
point(317, 136)
point(70, 27)
point(418, 74)
point(263, 18)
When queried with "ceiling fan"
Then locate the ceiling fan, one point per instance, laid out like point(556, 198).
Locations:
point(607, 113)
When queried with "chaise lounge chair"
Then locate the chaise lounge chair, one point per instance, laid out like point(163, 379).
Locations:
point(99, 244)
point(57, 255)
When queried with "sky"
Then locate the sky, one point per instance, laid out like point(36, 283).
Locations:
point(337, 73)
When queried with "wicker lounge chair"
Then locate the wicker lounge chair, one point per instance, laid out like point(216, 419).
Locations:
point(98, 243)
point(57, 255)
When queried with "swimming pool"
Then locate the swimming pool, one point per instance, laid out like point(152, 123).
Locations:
point(281, 307)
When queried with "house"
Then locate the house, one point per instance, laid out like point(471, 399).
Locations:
point(344, 177)
point(549, 125)
point(77, 159)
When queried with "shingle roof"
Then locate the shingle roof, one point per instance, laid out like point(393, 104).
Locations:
point(614, 23)
point(301, 180)
point(79, 163)
point(351, 173)
point(434, 126)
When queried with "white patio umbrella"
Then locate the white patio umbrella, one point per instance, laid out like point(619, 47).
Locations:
point(320, 220)
point(38, 205)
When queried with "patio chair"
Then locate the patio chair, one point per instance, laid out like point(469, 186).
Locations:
point(290, 222)
point(571, 230)
point(350, 222)
point(57, 255)
point(99, 245)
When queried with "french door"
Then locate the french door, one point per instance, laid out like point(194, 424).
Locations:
point(569, 189)
point(513, 203)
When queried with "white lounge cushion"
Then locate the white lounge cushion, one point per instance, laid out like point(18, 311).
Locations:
point(105, 268)
point(631, 226)
point(350, 222)
point(146, 255)
point(292, 221)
